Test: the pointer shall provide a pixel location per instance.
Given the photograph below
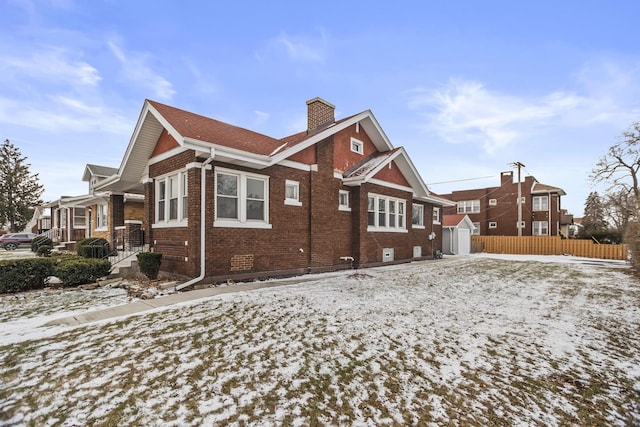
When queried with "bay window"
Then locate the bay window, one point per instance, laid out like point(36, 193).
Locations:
point(171, 199)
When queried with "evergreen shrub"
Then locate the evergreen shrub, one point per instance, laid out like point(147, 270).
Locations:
point(149, 264)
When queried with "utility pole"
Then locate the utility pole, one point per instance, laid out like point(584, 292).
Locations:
point(519, 166)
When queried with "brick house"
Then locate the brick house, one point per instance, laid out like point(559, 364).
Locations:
point(494, 210)
point(106, 214)
point(226, 202)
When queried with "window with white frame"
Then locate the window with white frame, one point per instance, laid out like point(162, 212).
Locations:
point(357, 146)
point(417, 216)
point(540, 228)
point(469, 206)
point(493, 202)
point(385, 213)
point(79, 218)
point(343, 201)
point(183, 191)
point(540, 203)
point(292, 193)
point(101, 217)
point(171, 198)
point(493, 224)
point(476, 229)
point(436, 215)
point(242, 199)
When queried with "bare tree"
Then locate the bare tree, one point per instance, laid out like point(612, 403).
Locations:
point(621, 165)
point(620, 209)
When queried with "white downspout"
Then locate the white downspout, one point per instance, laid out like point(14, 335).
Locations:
point(203, 186)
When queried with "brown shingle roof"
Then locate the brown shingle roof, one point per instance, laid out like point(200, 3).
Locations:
point(206, 129)
point(452, 220)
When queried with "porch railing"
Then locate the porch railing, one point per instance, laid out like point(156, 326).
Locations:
point(127, 242)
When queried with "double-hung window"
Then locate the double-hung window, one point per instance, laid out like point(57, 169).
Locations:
point(417, 216)
point(436, 215)
point(386, 213)
point(171, 199)
point(540, 203)
point(79, 218)
point(242, 199)
point(469, 206)
point(101, 217)
point(540, 228)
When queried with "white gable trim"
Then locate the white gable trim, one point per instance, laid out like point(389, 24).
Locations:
point(366, 116)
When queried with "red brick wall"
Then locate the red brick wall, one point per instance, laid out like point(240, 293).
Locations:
point(344, 157)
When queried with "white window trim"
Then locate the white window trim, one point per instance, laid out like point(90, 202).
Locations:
point(358, 144)
point(242, 222)
point(493, 202)
point(288, 201)
point(538, 206)
point(181, 220)
point(436, 218)
point(401, 228)
point(347, 207)
point(421, 224)
point(471, 204)
point(537, 228)
point(476, 229)
point(99, 225)
point(76, 226)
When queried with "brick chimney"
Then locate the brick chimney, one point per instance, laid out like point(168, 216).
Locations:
point(320, 114)
point(506, 178)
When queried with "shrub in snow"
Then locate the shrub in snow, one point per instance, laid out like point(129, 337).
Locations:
point(75, 272)
point(44, 250)
point(40, 241)
point(149, 264)
point(93, 247)
point(20, 275)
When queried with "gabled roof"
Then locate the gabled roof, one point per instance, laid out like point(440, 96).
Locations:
point(455, 220)
point(239, 146)
point(543, 188)
point(96, 170)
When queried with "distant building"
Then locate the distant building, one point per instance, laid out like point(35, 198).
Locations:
point(494, 210)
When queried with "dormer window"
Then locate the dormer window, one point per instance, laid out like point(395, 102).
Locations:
point(357, 146)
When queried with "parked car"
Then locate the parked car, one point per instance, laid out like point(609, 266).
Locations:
point(16, 240)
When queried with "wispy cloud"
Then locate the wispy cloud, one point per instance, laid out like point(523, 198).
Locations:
point(261, 117)
point(303, 49)
point(136, 70)
point(469, 112)
point(52, 64)
point(63, 114)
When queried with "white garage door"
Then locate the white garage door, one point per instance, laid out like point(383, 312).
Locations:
point(464, 241)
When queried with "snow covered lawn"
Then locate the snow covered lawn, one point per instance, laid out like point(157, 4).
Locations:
point(470, 340)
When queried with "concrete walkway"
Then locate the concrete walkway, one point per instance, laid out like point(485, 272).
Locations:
point(145, 305)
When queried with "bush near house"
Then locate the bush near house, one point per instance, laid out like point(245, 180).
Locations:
point(24, 274)
point(149, 264)
point(75, 271)
point(93, 247)
point(19, 275)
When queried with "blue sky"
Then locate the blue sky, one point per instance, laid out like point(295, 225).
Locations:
point(467, 87)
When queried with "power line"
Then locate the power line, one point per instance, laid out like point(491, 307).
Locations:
point(460, 180)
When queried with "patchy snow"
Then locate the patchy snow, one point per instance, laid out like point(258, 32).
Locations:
point(475, 340)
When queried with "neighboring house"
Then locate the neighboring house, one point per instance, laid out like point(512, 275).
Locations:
point(494, 210)
point(226, 202)
point(109, 215)
point(456, 234)
point(567, 227)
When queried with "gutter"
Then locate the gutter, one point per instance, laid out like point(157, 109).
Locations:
point(203, 186)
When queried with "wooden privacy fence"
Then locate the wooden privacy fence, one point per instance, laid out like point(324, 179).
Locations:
point(546, 245)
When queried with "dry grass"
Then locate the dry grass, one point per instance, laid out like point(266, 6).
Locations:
point(475, 342)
